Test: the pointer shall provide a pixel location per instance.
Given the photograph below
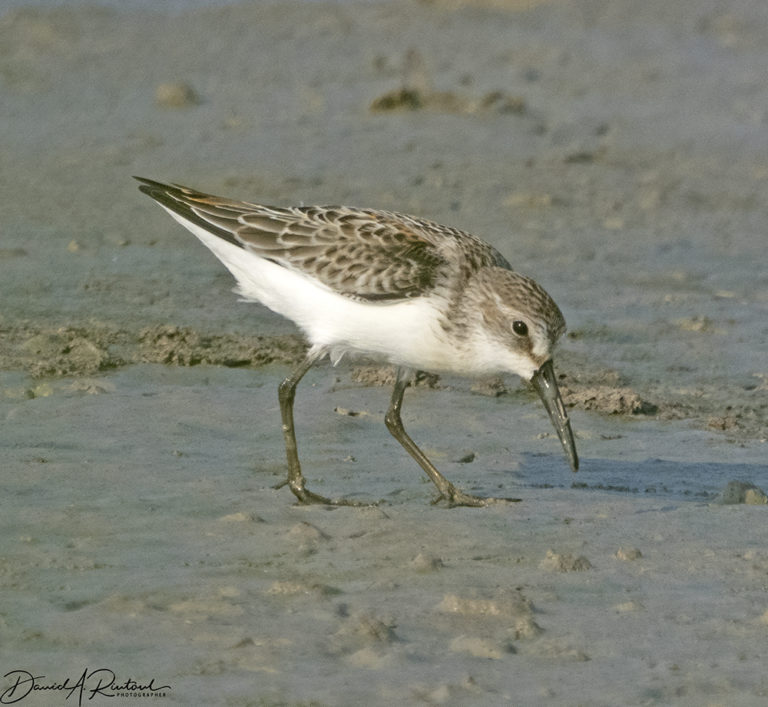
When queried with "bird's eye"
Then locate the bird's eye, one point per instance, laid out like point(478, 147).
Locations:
point(520, 328)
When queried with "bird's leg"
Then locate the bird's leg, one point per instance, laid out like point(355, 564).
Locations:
point(448, 491)
point(286, 395)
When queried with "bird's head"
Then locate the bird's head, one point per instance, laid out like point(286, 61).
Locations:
point(522, 324)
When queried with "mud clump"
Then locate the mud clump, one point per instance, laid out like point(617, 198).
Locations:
point(65, 351)
point(84, 351)
point(737, 492)
point(387, 375)
point(608, 399)
point(187, 347)
point(556, 562)
point(416, 93)
point(412, 99)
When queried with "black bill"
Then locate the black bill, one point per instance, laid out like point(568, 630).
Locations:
point(546, 386)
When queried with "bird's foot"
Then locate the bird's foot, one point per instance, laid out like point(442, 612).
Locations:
point(306, 497)
point(454, 497)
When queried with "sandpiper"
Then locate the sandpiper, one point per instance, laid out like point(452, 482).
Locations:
point(393, 287)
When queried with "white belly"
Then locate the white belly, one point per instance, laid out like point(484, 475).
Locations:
point(405, 333)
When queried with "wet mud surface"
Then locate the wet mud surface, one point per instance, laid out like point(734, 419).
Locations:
point(615, 151)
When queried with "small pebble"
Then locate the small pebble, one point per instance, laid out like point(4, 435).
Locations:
point(175, 95)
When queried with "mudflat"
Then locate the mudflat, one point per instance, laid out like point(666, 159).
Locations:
point(615, 151)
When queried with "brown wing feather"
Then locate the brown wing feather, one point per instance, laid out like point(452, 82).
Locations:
point(361, 253)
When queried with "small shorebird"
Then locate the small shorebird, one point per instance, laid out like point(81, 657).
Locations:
point(398, 288)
